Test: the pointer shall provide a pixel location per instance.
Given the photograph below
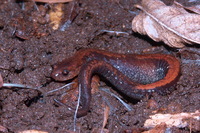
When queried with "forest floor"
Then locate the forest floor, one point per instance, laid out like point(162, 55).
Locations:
point(29, 47)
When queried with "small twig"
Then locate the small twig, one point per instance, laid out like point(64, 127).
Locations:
point(59, 88)
point(35, 5)
point(23, 5)
point(135, 13)
point(115, 32)
point(190, 61)
point(70, 18)
point(105, 117)
point(47, 93)
point(60, 103)
point(128, 107)
point(11, 85)
point(132, 12)
point(65, 25)
point(17, 85)
point(78, 103)
point(1, 81)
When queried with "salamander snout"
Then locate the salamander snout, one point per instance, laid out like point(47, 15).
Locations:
point(58, 71)
point(62, 73)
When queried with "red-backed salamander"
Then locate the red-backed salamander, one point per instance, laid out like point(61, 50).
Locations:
point(133, 75)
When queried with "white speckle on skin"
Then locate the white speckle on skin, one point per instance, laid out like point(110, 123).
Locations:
point(56, 74)
point(117, 67)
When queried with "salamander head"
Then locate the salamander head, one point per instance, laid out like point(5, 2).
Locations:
point(65, 70)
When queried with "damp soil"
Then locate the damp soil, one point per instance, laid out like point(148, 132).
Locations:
point(29, 47)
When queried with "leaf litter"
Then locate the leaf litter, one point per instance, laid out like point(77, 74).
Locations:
point(171, 24)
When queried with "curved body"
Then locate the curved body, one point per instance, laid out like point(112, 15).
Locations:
point(134, 75)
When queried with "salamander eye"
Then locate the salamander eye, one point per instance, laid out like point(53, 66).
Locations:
point(65, 72)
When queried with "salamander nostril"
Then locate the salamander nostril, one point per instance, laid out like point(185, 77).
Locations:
point(65, 72)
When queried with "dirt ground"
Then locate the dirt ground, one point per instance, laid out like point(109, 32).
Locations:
point(29, 47)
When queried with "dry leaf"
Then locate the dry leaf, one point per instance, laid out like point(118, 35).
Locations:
point(171, 120)
point(32, 131)
point(171, 24)
point(195, 9)
point(56, 16)
point(106, 115)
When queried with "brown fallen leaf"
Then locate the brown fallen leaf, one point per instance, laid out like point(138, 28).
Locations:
point(171, 24)
point(195, 9)
point(55, 15)
point(172, 120)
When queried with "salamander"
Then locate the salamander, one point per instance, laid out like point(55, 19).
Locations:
point(133, 75)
